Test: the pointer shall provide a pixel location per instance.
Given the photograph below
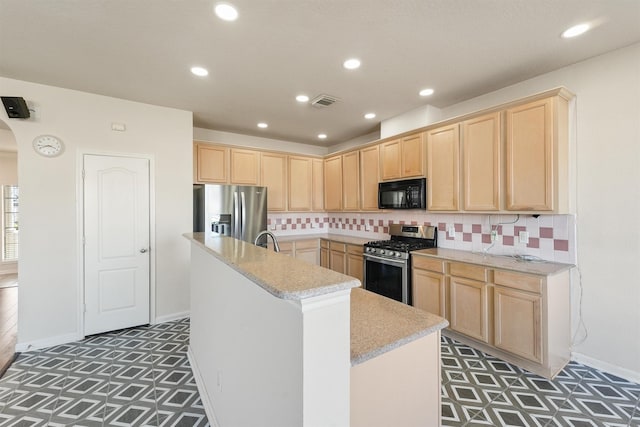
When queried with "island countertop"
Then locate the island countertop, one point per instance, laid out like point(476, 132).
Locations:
point(380, 324)
point(282, 276)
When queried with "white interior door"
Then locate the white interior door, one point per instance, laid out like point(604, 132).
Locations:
point(116, 244)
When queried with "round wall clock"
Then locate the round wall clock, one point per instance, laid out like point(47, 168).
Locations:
point(48, 145)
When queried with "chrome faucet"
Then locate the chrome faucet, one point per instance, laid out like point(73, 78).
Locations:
point(276, 247)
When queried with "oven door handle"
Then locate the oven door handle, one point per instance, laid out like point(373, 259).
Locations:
point(389, 261)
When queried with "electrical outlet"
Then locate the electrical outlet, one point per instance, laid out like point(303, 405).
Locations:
point(524, 237)
point(494, 235)
point(451, 231)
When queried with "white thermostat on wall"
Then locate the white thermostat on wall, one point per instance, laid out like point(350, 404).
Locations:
point(48, 145)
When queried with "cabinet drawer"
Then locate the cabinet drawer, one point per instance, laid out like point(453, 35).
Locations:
point(469, 271)
point(324, 243)
point(307, 244)
point(337, 246)
point(355, 249)
point(520, 281)
point(430, 264)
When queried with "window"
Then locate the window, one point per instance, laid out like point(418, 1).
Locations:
point(10, 205)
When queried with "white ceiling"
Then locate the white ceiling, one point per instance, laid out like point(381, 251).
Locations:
point(142, 50)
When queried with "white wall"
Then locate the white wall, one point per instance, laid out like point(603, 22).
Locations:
point(229, 138)
point(607, 165)
point(49, 258)
point(410, 120)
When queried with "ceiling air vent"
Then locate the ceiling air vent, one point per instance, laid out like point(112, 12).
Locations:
point(322, 101)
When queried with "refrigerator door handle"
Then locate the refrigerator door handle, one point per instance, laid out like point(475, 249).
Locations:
point(236, 216)
point(244, 215)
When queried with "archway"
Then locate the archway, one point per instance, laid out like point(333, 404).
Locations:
point(9, 245)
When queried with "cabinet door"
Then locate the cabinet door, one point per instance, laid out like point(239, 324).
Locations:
point(369, 177)
point(355, 262)
point(211, 163)
point(442, 168)
point(245, 166)
point(517, 322)
point(469, 308)
point(324, 253)
point(428, 289)
point(338, 261)
point(351, 181)
point(333, 183)
point(273, 168)
point(529, 154)
point(309, 255)
point(412, 156)
point(300, 183)
point(391, 160)
point(481, 163)
point(318, 185)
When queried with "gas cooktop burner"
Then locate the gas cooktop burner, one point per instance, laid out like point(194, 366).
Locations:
point(404, 239)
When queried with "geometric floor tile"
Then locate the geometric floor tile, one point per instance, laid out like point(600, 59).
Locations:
point(141, 377)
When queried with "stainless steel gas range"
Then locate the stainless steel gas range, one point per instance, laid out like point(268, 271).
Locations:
point(387, 263)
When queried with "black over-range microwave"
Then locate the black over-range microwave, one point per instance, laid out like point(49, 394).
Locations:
point(405, 194)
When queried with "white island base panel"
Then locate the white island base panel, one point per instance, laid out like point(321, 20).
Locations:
point(259, 360)
point(398, 388)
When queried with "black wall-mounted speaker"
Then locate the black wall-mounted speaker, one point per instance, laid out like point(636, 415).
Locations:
point(16, 107)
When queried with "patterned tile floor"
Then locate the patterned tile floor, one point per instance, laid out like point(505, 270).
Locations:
point(481, 390)
point(141, 377)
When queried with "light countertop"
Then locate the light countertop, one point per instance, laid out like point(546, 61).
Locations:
point(545, 268)
point(280, 275)
point(380, 324)
point(329, 236)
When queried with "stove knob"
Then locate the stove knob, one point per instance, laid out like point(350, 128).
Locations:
point(398, 254)
point(381, 252)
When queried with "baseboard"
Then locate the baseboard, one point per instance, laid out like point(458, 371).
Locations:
point(609, 368)
point(171, 317)
point(204, 396)
point(47, 342)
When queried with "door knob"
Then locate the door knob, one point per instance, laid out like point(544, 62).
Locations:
point(143, 250)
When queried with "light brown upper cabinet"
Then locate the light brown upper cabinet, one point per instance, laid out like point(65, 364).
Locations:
point(537, 156)
point(351, 181)
point(369, 177)
point(245, 167)
point(211, 163)
point(402, 158)
point(317, 203)
point(273, 175)
point(443, 183)
point(333, 183)
point(481, 163)
point(300, 183)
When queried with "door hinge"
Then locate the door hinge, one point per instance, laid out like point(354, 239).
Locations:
point(84, 241)
point(83, 174)
point(84, 308)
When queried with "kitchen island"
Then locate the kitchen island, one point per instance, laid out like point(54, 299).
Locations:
point(276, 341)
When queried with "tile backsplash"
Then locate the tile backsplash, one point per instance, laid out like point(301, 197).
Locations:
point(551, 237)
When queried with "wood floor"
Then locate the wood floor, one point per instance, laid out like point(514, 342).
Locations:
point(8, 319)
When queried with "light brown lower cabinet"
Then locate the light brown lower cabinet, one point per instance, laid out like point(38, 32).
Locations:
point(429, 286)
point(355, 262)
point(338, 256)
point(470, 307)
point(517, 322)
point(519, 317)
point(324, 253)
point(307, 250)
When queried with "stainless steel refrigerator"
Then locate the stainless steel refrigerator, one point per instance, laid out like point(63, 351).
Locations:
point(230, 210)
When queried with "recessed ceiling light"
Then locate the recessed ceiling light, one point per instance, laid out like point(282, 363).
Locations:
point(370, 116)
point(576, 30)
point(199, 71)
point(302, 98)
point(263, 125)
point(226, 12)
point(351, 64)
point(426, 92)
point(322, 135)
